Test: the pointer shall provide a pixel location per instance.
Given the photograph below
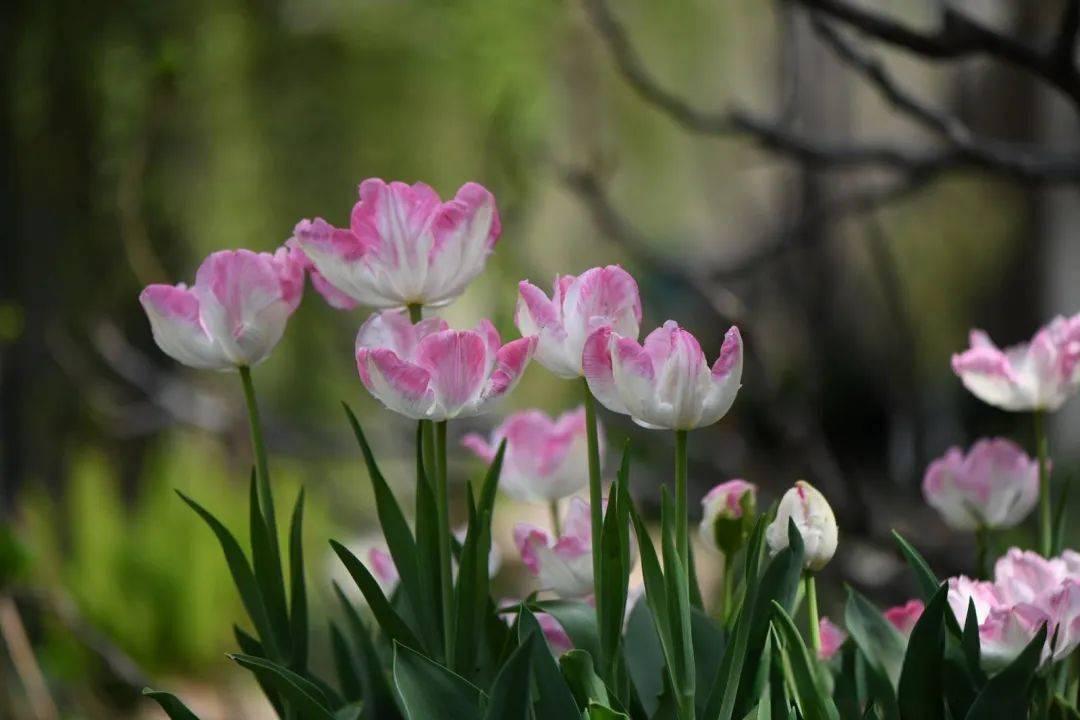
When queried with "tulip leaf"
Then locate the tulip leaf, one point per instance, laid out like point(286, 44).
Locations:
point(399, 538)
point(880, 643)
point(303, 696)
point(813, 703)
point(242, 576)
point(427, 535)
point(1006, 694)
point(389, 621)
point(678, 601)
point(266, 564)
point(599, 712)
point(172, 706)
point(251, 646)
point(576, 617)
point(379, 698)
point(644, 656)
point(921, 693)
point(553, 697)
point(352, 687)
point(614, 580)
point(511, 695)
point(429, 690)
point(927, 580)
point(585, 685)
point(709, 643)
point(298, 610)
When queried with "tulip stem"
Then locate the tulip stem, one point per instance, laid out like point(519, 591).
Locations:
point(416, 312)
point(812, 612)
point(445, 567)
point(556, 525)
point(682, 534)
point(1046, 539)
point(266, 498)
point(596, 492)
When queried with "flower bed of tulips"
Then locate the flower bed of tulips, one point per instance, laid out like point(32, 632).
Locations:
point(431, 642)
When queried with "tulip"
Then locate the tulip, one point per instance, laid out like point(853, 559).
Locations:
point(564, 564)
point(832, 638)
point(1039, 375)
point(333, 297)
point(996, 485)
point(727, 514)
point(666, 382)
point(404, 246)
point(814, 520)
point(599, 297)
point(233, 316)
point(545, 460)
point(903, 617)
point(429, 372)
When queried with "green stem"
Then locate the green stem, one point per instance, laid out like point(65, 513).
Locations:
point(596, 492)
point(266, 498)
point(416, 312)
point(982, 551)
point(682, 534)
point(812, 612)
point(556, 525)
point(445, 567)
point(1046, 539)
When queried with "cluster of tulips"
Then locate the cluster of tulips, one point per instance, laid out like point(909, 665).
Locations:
point(587, 644)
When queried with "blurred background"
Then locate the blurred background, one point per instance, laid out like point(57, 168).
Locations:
point(853, 197)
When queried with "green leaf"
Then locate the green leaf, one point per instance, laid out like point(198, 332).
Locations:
point(379, 699)
point(553, 698)
point(1007, 694)
point(585, 684)
point(599, 712)
point(172, 706)
point(928, 582)
point(242, 576)
point(389, 621)
point(577, 618)
point(812, 701)
point(251, 646)
point(678, 602)
point(429, 690)
point(352, 688)
point(921, 692)
point(511, 695)
point(266, 563)
point(301, 695)
point(427, 535)
point(399, 538)
point(644, 657)
point(615, 568)
point(656, 595)
point(877, 638)
point(709, 643)
point(298, 611)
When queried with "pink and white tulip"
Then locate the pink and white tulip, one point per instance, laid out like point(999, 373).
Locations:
point(903, 617)
point(995, 485)
point(235, 313)
point(429, 372)
point(832, 638)
point(814, 519)
point(665, 383)
point(404, 245)
point(546, 459)
point(722, 511)
point(333, 297)
point(599, 297)
point(564, 564)
point(1038, 375)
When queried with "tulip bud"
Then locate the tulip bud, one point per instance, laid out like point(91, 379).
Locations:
point(728, 513)
point(814, 520)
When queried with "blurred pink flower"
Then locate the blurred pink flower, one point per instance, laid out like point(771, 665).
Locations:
point(383, 568)
point(557, 639)
point(903, 617)
point(995, 485)
point(429, 372)
point(564, 564)
point(545, 459)
point(832, 638)
point(404, 245)
point(666, 382)
point(599, 297)
point(233, 316)
point(1038, 375)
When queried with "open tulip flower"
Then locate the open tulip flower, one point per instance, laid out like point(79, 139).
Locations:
point(404, 246)
point(564, 564)
point(995, 485)
point(545, 458)
point(599, 297)
point(430, 372)
point(235, 313)
point(665, 382)
point(1038, 375)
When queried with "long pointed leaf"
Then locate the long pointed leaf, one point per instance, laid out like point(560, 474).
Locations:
point(921, 693)
point(266, 564)
point(814, 704)
point(298, 610)
point(511, 695)
point(389, 621)
point(307, 699)
point(172, 706)
point(428, 690)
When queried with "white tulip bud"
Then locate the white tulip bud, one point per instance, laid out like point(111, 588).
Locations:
point(814, 520)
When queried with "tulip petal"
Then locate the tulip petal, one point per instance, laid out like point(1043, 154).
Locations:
point(597, 367)
point(173, 312)
point(401, 386)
